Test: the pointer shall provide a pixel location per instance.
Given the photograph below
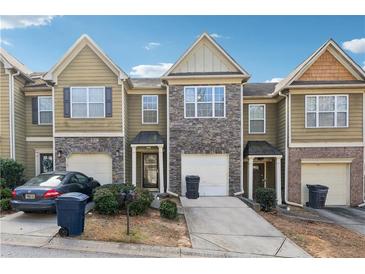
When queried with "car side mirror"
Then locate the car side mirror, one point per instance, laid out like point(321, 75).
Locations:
point(91, 179)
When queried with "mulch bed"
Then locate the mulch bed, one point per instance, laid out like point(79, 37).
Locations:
point(148, 229)
point(320, 239)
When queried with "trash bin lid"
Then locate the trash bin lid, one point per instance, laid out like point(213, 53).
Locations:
point(73, 196)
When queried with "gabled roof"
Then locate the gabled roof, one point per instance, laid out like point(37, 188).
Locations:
point(205, 35)
point(11, 62)
point(258, 89)
point(353, 68)
point(83, 41)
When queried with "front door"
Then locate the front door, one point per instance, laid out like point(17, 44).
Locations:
point(46, 162)
point(258, 176)
point(150, 170)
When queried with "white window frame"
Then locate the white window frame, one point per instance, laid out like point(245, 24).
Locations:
point(335, 111)
point(249, 118)
point(212, 102)
point(39, 111)
point(148, 123)
point(87, 103)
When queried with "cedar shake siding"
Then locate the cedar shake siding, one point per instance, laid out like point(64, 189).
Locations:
point(205, 136)
point(87, 70)
point(326, 67)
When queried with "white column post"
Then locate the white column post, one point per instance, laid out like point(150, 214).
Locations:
point(134, 165)
point(160, 168)
point(278, 179)
point(250, 177)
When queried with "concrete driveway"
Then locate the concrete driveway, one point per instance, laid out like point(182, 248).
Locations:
point(350, 217)
point(227, 224)
point(33, 229)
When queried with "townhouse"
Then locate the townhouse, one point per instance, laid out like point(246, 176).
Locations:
point(202, 117)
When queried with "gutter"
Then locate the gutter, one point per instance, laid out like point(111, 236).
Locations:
point(286, 154)
point(13, 110)
point(12, 114)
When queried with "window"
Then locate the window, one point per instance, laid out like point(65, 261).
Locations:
point(326, 111)
point(45, 110)
point(257, 119)
point(87, 102)
point(150, 109)
point(205, 102)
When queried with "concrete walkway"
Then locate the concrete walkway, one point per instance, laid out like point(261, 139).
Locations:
point(226, 224)
point(348, 217)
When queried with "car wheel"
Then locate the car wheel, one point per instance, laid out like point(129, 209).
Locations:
point(63, 232)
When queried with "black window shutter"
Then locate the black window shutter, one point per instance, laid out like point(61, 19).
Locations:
point(66, 103)
point(108, 102)
point(34, 110)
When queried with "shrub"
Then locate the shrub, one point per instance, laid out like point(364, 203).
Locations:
point(2, 183)
point(12, 172)
point(105, 201)
point(143, 200)
point(266, 197)
point(5, 193)
point(118, 188)
point(168, 209)
point(5, 204)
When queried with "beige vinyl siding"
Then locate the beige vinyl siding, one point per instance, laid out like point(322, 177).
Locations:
point(30, 156)
point(135, 116)
point(19, 119)
point(205, 57)
point(4, 113)
point(134, 126)
point(271, 125)
point(87, 69)
point(301, 134)
point(33, 130)
point(281, 125)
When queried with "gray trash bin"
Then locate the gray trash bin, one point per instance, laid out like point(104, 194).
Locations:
point(70, 209)
point(192, 186)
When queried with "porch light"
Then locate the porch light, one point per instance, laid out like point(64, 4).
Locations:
point(59, 153)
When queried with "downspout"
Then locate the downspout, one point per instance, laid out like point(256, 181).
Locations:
point(12, 114)
point(168, 141)
point(241, 151)
point(286, 153)
point(53, 130)
point(124, 123)
point(363, 152)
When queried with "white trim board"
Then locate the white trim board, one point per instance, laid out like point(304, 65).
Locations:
point(39, 139)
point(327, 161)
point(325, 144)
point(89, 134)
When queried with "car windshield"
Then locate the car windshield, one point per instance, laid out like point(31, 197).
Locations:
point(46, 180)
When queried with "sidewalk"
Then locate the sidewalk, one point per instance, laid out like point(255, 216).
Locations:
point(130, 250)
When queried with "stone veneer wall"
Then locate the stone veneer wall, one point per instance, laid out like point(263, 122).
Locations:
point(294, 169)
point(205, 136)
point(109, 145)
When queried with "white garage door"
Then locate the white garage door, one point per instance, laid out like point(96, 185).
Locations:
point(213, 170)
point(96, 165)
point(335, 176)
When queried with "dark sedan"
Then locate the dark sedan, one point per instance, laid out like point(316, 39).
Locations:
point(40, 192)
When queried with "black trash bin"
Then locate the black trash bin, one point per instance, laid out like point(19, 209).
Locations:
point(192, 187)
point(70, 209)
point(317, 195)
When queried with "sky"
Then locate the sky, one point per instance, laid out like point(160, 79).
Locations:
point(268, 47)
